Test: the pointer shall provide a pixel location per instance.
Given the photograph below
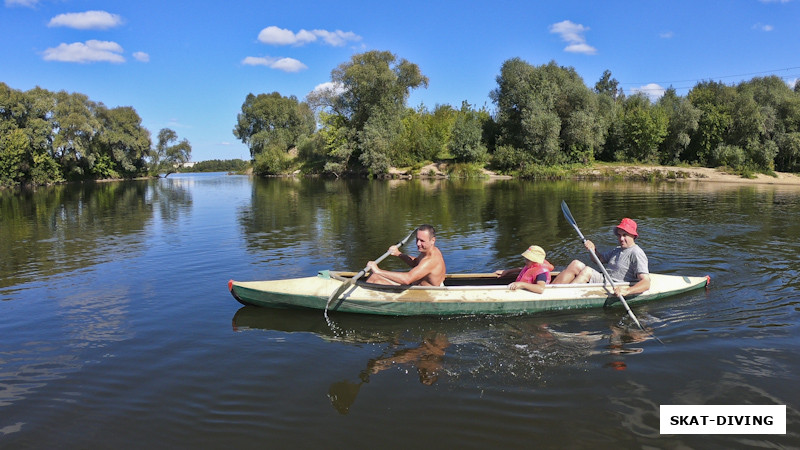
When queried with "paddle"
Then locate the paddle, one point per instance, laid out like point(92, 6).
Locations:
point(360, 274)
point(571, 220)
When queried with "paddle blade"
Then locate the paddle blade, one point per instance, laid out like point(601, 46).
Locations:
point(567, 213)
point(339, 291)
point(342, 395)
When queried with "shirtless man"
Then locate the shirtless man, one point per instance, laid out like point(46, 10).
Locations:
point(427, 269)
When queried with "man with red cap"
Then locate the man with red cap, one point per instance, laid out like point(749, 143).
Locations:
point(625, 263)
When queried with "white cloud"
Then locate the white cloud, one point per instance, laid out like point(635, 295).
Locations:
point(666, 35)
point(581, 48)
point(763, 27)
point(572, 33)
point(653, 91)
point(284, 64)
point(141, 56)
point(89, 20)
point(337, 38)
point(280, 36)
point(329, 86)
point(90, 51)
point(28, 3)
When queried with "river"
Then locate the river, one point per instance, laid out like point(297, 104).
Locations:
point(118, 330)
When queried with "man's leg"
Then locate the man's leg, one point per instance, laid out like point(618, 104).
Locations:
point(567, 275)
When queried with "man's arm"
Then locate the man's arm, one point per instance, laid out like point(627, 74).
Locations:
point(592, 249)
point(418, 272)
point(642, 285)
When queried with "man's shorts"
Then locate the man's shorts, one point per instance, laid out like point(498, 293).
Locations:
point(597, 277)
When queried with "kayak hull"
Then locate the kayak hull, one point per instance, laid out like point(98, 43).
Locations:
point(461, 294)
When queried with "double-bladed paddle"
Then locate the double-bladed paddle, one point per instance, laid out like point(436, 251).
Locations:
point(571, 220)
point(360, 274)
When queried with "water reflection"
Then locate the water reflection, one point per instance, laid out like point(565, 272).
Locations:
point(124, 314)
point(518, 349)
point(59, 229)
point(427, 358)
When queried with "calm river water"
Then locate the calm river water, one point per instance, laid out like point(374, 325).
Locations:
point(118, 330)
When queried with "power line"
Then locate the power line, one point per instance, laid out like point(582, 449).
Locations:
point(721, 77)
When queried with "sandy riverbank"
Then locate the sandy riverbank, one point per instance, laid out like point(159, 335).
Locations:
point(645, 172)
point(694, 174)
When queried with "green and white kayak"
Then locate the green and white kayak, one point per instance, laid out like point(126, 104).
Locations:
point(480, 293)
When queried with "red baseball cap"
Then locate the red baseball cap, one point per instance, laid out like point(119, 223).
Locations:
point(628, 226)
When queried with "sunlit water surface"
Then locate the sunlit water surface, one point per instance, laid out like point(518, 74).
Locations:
point(118, 330)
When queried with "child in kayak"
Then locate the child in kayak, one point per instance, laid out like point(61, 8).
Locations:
point(535, 275)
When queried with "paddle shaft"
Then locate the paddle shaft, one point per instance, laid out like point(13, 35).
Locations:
point(571, 220)
point(361, 273)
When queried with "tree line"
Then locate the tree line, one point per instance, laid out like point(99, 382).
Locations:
point(360, 124)
point(48, 137)
point(545, 116)
point(218, 165)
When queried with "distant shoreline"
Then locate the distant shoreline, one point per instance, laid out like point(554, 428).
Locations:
point(595, 172)
point(633, 173)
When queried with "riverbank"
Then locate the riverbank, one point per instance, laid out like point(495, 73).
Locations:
point(718, 175)
point(635, 172)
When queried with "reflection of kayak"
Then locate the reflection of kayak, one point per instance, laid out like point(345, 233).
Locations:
point(461, 294)
point(348, 328)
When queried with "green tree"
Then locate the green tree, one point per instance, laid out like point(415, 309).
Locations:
point(643, 128)
point(682, 121)
point(547, 112)
point(369, 93)
point(76, 125)
point(220, 165)
point(272, 121)
point(121, 144)
point(788, 157)
point(13, 152)
point(466, 141)
point(169, 152)
point(765, 126)
point(714, 100)
point(27, 160)
point(338, 142)
point(608, 86)
point(425, 135)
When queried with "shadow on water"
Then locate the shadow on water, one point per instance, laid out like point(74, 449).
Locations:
point(519, 349)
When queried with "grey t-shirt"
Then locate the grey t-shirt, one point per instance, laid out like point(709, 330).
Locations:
point(625, 264)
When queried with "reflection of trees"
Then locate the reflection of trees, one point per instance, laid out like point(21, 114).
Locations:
point(345, 223)
point(58, 229)
point(356, 220)
point(61, 228)
point(173, 196)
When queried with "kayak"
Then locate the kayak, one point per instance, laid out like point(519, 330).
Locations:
point(480, 293)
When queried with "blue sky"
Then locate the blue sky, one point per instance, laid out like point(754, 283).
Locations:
point(189, 65)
